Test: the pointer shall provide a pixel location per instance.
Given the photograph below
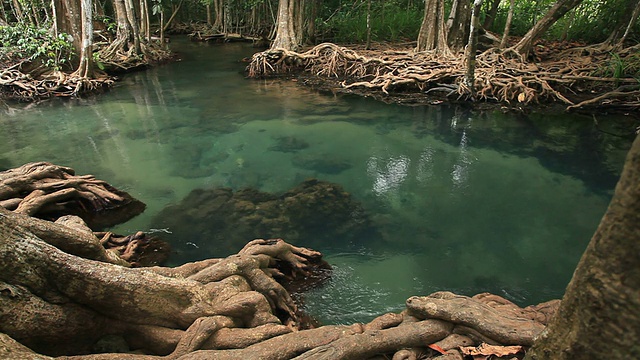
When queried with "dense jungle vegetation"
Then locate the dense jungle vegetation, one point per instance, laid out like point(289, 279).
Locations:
point(64, 48)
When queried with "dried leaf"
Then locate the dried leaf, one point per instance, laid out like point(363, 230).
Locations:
point(521, 97)
point(488, 350)
point(437, 348)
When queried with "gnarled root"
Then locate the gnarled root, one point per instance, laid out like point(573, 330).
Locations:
point(45, 190)
point(499, 75)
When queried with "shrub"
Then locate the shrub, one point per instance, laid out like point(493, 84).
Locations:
point(29, 42)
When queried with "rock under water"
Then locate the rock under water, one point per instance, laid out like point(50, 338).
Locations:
point(219, 221)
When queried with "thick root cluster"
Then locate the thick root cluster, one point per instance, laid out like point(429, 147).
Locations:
point(501, 75)
point(20, 86)
point(49, 191)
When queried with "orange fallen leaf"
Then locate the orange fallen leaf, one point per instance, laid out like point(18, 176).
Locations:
point(437, 348)
point(521, 97)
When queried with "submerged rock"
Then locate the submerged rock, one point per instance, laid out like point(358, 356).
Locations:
point(289, 144)
point(322, 163)
point(215, 221)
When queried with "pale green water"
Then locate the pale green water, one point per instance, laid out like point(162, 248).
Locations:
point(466, 202)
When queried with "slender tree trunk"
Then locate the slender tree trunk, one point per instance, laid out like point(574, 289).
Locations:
point(209, 18)
point(162, 27)
point(145, 27)
point(507, 26)
point(311, 25)
point(368, 44)
point(469, 78)
point(17, 11)
point(173, 14)
point(219, 12)
point(133, 22)
point(627, 17)
point(458, 24)
point(558, 10)
point(432, 34)
point(85, 69)
point(632, 21)
point(226, 17)
point(491, 14)
point(599, 317)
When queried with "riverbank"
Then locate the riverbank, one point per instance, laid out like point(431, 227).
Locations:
point(28, 80)
point(563, 76)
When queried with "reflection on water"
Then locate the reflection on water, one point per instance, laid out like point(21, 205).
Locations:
point(464, 202)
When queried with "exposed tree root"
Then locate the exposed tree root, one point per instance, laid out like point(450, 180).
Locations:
point(20, 86)
point(500, 76)
point(63, 293)
point(49, 191)
point(30, 85)
point(119, 57)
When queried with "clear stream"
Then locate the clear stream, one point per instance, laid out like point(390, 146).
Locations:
point(466, 202)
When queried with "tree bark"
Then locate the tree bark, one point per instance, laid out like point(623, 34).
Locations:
point(558, 10)
point(458, 24)
point(632, 21)
point(85, 68)
point(68, 15)
point(491, 14)
point(285, 30)
point(599, 317)
point(84, 300)
point(432, 34)
point(507, 26)
point(472, 46)
point(624, 20)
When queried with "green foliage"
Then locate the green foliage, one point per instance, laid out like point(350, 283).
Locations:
point(391, 20)
point(619, 67)
point(592, 21)
point(110, 24)
point(156, 8)
point(37, 43)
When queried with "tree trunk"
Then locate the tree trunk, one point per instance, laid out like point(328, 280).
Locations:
point(124, 31)
point(458, 24)
point(85, 68)
point(145, 26)
point(285, 36)
point(632, 21)
point(507, 26)
point(219, 12)
point(133, 23)
point(470, 56)
point(491, 14)
point(432, 34)
point(599, 317)
point(558, 10)
point(174, 12)
point(68, 20)
point(626, 18)
point(311, 25)
point(368, 43)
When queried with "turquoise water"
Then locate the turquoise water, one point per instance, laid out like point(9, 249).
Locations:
point(465, 202)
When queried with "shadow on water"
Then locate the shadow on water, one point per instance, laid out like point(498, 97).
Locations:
point(422, 198)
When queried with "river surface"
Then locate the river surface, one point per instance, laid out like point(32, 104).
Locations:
point(466, 202)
